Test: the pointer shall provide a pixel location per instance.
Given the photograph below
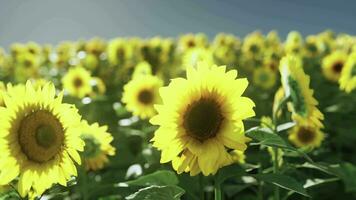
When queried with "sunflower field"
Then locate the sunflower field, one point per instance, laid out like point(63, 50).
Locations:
point(191, 117)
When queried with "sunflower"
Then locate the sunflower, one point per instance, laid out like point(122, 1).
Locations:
point(304, 135)
point(253, 45)
point(294, 43)
point(140, 94)
point(77, 82)
point(311, 48)
point(189, 41)
point(142, 69)
point(226, 40)
point(119, 51)
point(264, 77)
point(347, 80)
point(192, 56)
point(273, 41)
point(296, 86)
point(27, 66)
point(95, 46)
point(97, 145)
point(39, 139)
point(98, 87)
point(201, 119)
point(333, 64)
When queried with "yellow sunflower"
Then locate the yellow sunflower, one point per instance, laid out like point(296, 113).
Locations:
point(347, 80)
point(142, 69)
point(201, 119)
point(119, 51)
point(304, 135)
point(97, 145)
point(98, 87)
point(333, 64)
point(189, 41)
point(311, 48)
point(39, 139)
point(77, 82)
point(95, 46)
point(253, 45)
point(192, 56)
point(140, 94)
point(264, 77)
point(27, 66)
point(294, 43)
point(296, 86)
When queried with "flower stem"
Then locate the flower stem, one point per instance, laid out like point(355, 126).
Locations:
point(275, 170)
point(217, 191)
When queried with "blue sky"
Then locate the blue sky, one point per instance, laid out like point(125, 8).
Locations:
point(49, 21)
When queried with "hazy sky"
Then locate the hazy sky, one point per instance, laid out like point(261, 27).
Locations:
point(49, 21)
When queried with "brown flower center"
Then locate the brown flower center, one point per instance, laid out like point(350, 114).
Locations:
point(306, 135)
point(337, 67)
point(203, 119)
point(145, 96)
point(77, 82)
point(41, 136)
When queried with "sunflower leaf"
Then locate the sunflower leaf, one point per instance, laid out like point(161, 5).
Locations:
point(163, 177)
point(347, 173)
point(155, 192)
point(283, 181)
point(229, 172)
point(265, 136)
point(285, 126)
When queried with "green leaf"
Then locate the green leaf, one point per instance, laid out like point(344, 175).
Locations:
point(229, 172)
point(285, 126)
point(163, 177)
point(347, 173)
point(265, 136)
point(169, 192)
point(283, 181)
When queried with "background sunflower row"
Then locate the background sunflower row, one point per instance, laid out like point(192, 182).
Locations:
point(105, 80)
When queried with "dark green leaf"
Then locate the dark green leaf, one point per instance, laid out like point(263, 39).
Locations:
point(347, 173)
point(265, 136)
point(163, 177)
point(170, 192)
point(229, 172)
point(283, 181)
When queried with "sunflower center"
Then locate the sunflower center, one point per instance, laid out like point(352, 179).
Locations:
point(120, 53)
point(41, 136)
point(45, 136)
point(27, 63)
point(145, 97)
point(337, 67)
point(312, 48)
point(191, 43)
point(305, 135)
point(254, 48)
point(264, 77)
point(92, 146)
point(203, 119)
point(77, 82)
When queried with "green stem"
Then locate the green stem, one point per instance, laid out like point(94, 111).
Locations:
point(217, 191)
point(276, 171)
